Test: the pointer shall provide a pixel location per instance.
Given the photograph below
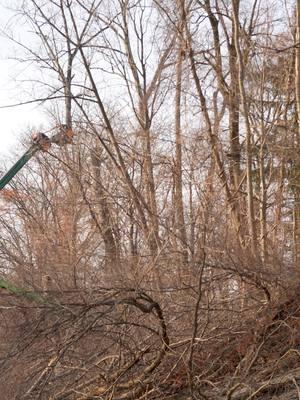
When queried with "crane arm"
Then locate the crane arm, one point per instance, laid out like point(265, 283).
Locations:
point(18, 165)
point(40, 142)
point(14, 290)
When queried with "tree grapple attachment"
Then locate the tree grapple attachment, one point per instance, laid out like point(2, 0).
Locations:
point(42, 141)
point(63, 136)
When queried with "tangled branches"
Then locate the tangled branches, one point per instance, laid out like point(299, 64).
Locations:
point(88, 345)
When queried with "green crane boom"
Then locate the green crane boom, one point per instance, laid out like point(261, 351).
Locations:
point(14, 290)
point(18, 165)
point(40, 142)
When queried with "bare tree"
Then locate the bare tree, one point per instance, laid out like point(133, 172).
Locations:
point(156, 253)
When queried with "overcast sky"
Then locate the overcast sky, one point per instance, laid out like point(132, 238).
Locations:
point(16, 120)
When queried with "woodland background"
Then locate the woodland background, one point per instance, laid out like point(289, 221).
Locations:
point(158, 255)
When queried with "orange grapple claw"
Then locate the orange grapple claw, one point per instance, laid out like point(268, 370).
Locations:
point(42, 140)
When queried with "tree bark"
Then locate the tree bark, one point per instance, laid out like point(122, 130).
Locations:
point(179, 208)
point(296, 211)
point(244, 102)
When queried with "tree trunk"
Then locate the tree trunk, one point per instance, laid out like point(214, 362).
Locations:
point(112, 256)
point(244, 102)
point(179, 208)
point(296, 211)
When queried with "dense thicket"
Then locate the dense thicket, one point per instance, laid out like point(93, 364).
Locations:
point(159, 252)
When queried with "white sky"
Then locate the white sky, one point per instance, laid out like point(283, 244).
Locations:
point(14, 121)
